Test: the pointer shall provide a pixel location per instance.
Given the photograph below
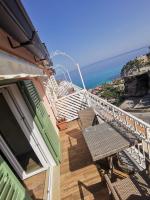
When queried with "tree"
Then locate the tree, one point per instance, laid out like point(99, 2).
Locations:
point(133, 65)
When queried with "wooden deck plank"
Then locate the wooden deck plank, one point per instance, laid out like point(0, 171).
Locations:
point(35, 185)
point(80, 179)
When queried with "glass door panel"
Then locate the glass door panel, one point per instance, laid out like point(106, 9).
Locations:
point(15, 139)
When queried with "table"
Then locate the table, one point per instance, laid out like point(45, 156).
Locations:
point(104, 141)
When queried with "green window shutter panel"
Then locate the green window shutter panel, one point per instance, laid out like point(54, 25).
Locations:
point(10, 186)
point(41, 118)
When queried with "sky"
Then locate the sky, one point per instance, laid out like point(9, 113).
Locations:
point(91, 30)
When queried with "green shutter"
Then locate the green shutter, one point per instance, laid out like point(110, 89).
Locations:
point(41, 118)
point(10, 186)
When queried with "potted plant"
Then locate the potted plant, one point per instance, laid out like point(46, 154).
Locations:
point(62, 123)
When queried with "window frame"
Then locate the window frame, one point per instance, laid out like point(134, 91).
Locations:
point(20, 111)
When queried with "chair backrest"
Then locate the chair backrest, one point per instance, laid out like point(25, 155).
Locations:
point(111, 188)
point(87, 118)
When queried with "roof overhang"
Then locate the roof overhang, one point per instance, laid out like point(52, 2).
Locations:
point(12, 67)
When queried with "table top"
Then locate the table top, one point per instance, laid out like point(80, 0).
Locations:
point(104, 141)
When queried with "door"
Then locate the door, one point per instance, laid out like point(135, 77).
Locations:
point(15, 145)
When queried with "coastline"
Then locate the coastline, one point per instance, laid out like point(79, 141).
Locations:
point(112, 91)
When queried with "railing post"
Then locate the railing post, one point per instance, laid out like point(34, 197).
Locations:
point(148, 133)
point(88, 98)
point(78, 67)
point(143, 149)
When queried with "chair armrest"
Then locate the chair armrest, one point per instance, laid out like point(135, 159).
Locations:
point(111, 188)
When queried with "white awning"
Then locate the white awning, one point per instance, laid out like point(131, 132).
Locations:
point(12, 67)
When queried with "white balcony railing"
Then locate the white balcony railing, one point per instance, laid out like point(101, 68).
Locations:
point(136, 127)
point(68, 106)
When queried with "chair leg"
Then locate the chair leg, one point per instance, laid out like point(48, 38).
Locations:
point(110, 160)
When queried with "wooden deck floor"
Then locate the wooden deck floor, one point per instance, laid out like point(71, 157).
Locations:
point(80, 179)
point(36, 185)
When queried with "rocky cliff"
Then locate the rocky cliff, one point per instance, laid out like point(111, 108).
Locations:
point(137, 86)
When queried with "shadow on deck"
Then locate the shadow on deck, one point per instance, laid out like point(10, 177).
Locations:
point(77, 150)
point(80, 178)
point(35, 185)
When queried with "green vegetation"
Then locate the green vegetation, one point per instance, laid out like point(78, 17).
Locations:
point(133, 65)
point(112, 93)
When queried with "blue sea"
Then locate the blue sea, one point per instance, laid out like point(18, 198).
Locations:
point(104, 71)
